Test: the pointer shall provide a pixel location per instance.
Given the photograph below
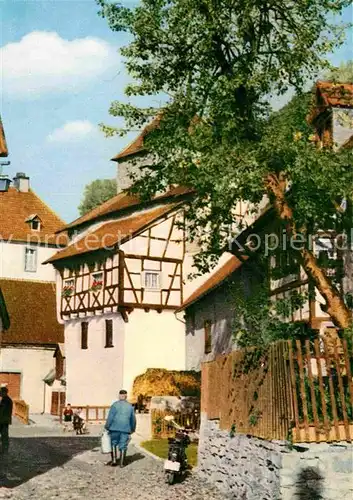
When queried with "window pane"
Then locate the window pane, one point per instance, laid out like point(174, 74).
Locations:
point(84, 335)
point(30, 259)
point(108, 333)
point(152, 279)
point(208, 337)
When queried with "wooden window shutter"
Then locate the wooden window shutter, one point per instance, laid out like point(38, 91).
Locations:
point(109, 333)
point(208, 336)
point(84, 335)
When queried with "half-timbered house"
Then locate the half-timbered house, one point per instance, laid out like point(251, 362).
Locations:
point(209, 311)
point(119, 282)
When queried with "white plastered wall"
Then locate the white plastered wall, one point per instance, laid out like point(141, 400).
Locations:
point(12, 262)
point(94, 375)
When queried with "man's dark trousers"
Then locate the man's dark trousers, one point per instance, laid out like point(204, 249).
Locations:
point(4, 431)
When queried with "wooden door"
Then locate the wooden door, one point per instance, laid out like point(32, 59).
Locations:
point(57, 402)
point(13, 383)
point(62, 399)
point(54, 403)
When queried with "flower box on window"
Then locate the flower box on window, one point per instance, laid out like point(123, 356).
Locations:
point(68, 288)
point(97, 283)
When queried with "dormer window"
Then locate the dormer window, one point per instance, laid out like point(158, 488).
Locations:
point(35, 225)
point(34, 222)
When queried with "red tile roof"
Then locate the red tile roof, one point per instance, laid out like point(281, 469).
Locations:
point(122, 202)
point(3, 145)
point(336, 94)
point(32, 309)
point(113, 233)
point(137, 145)
point(16, 207)
point(216, 279)
point(330, 94)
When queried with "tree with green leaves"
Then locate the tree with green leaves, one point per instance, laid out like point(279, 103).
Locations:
point(342, 73)
point(220, 62)
point(96, 193)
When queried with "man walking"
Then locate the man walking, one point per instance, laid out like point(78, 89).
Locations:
point(5, 418)
point(121, 422)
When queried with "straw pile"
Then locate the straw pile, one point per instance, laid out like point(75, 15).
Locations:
point(161, 382)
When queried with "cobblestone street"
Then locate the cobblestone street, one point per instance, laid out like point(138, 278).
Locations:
point(45, 468)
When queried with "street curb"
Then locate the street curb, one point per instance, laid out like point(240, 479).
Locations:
point(148, 453)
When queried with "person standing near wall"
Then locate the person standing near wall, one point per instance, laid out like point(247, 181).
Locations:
point(5, 418)
point(120, 424)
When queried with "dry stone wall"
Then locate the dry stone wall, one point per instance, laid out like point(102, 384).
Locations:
point(248, 468)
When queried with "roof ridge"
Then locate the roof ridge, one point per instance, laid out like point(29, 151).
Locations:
point(43, 282)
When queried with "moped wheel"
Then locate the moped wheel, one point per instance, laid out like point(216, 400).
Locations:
point(170, 477)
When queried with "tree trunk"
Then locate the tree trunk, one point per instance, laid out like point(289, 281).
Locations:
point(348, 255)
point(335, 305)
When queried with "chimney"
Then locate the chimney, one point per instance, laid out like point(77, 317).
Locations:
point(21, 182)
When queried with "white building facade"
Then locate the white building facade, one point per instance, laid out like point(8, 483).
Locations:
point(27, 239)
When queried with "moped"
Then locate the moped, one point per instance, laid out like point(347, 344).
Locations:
point(177, 463)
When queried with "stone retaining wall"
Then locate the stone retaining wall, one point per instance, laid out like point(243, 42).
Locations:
point(248, 468)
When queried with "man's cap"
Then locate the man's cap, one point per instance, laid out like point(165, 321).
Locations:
point(122, 391)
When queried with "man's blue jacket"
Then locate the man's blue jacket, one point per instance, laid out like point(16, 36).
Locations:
point(121, 417)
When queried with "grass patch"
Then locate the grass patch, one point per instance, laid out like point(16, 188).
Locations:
point(159, 447)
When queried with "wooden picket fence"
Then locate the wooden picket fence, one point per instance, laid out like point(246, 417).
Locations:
point(92, 414)
point(162, 429)
point(298, 390)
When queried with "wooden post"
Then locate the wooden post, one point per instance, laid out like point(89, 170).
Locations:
point(341, 391)
point(332, 391)
point(347, 356)
point(321, 388)
point(302, 389)
point(294, 391)
point(312, 391)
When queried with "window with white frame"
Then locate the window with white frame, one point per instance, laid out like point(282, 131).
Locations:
point(151, 280)
point(30, 259)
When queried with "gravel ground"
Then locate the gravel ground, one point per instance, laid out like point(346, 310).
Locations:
point(60, 468)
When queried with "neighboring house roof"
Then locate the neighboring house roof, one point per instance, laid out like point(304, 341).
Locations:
point(329, 95)
point(4, 315)
point(32, 308)
point(15, 210)
point(3, 145)
point(216, 279)
point(112, 233)
point(137, 145)
point(123, 203)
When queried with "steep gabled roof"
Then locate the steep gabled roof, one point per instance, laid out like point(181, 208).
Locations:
point(15, 210)
point(3, 145)
point(137, 145)
point(217, 277)
point(330, 95)
point(124, 203)
point(31, 306)
point(113, 233)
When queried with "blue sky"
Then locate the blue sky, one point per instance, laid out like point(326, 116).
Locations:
point(61, 70)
